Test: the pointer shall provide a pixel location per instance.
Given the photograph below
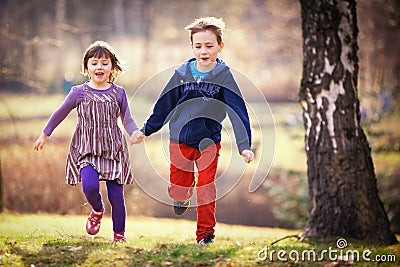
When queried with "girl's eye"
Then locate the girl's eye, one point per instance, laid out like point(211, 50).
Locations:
point(210, 46)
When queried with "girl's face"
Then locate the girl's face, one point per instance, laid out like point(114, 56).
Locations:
point(99, 70)
point(206, 48)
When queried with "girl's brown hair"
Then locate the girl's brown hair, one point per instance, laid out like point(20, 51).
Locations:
point(208, 23)
point(100, 49)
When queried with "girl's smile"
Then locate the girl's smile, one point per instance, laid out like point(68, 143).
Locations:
point(99, 70)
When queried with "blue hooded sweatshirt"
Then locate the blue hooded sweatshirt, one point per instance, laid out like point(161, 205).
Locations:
point(195, 110)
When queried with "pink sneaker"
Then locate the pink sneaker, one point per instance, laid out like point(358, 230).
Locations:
point(93, 222)
point(119, 237)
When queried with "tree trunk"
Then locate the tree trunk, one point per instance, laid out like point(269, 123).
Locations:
point(119, 19)
point(342, 183)
point(60, 9)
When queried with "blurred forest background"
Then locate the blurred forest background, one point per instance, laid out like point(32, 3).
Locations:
point(42, 42)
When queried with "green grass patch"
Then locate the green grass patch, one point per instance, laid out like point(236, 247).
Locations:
point(55, 240)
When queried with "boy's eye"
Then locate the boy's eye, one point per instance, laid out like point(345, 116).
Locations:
point(210, 46)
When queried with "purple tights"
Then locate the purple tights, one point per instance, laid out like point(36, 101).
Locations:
point(115, 192)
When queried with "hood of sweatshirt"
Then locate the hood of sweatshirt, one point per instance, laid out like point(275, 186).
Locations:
point(184, 70)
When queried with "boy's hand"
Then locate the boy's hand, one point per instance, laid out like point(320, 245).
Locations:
point(40, 142)
point(248, 155)
point(137, 137)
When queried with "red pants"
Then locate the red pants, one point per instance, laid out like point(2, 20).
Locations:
point(182, 178)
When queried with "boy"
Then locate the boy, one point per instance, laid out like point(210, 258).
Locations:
point(195, 101)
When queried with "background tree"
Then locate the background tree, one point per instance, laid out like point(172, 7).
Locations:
point(342, 183)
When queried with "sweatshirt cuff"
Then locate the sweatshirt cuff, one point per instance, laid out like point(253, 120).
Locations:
point(47, 132)
point(243, 147)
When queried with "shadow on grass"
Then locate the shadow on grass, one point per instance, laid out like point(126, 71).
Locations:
point(100, 251)
point(179, 254)
point(58, 252)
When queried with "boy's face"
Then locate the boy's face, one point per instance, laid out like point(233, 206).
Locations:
point(99, 69)
point(206, 48)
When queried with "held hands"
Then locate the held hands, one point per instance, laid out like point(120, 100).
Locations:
point(137, 137)
point(40, 142)
point(248, 155)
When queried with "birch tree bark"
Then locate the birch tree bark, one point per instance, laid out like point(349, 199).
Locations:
point(341, 177)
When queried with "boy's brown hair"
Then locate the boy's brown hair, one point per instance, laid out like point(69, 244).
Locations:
point(100, 49)
point(207, 23)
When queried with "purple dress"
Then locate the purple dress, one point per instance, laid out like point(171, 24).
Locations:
point(97, 141)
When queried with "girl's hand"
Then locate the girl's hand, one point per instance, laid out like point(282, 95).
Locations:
point(137, 137)
point(40, 142)
point(248, 155)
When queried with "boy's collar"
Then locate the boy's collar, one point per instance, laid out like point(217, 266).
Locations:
point(184, 69)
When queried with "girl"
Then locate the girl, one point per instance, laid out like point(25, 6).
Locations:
point(195, 102)
point(98, 149)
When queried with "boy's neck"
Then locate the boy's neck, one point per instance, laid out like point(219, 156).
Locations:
point(205, 67)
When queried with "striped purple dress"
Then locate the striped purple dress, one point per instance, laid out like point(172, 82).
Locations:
point(98, 141)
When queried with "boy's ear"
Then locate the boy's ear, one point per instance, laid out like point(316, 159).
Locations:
point(221, 45)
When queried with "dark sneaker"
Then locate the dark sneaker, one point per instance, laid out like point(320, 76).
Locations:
point(181, 207)
point(93, 222)
point(206, 240)
point(119, 237)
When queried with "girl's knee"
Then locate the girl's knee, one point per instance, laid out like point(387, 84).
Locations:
point(115, 193)
point(90, 180)
point(91, 190)
point(116, 200)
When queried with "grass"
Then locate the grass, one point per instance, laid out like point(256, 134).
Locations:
point(56, 240)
